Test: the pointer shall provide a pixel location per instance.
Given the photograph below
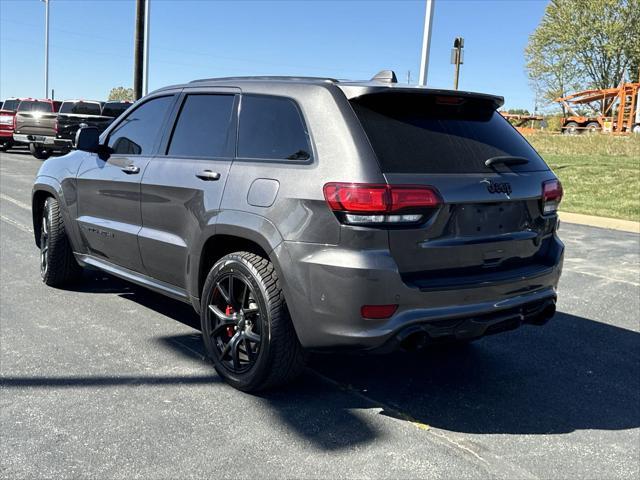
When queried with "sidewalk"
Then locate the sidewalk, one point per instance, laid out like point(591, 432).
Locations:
point(602, 222)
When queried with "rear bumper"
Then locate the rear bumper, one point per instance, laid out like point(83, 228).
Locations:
point(327, 285)
point(46, 140)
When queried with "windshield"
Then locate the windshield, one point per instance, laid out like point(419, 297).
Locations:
point(11, 105)
point(417, 133)
point(34, 106)
point(84, 108)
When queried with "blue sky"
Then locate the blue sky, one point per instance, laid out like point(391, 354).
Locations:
point(91, 42)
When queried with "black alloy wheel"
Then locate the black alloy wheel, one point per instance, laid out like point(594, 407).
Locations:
point(233, 322)
point(44, 242)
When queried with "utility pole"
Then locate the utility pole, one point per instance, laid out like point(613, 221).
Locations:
point(138, 50)
point(46, 48)
point(408, 77)
point(457, 58)
point(426, 43)
point(147, 14)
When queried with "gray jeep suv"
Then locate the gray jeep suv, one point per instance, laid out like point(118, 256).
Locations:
point(301, 214)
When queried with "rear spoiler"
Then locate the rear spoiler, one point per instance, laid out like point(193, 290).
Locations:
point(357, 91)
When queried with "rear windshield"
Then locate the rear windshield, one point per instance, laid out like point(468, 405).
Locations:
point(82, 108)
point(10, 105)
point(114, 109)
point(433, 134)
point(33, 106)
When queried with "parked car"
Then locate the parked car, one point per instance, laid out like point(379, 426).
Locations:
point(35, 125)
point(300, 214)
point(76, 113)
point(7, 118)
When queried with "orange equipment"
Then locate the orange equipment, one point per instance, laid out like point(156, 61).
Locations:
point(520, 121)
point(618, 110)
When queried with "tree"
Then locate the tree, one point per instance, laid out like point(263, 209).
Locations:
point(585, 44)
point(121, 93)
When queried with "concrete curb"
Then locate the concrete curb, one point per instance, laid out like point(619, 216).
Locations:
point(601, 222)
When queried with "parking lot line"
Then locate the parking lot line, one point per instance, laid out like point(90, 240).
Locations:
point(18, 225)
point(15, 202)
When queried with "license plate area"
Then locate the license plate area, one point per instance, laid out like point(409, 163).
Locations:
point(482, 219)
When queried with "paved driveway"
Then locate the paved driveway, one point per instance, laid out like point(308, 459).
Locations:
point(108, 380)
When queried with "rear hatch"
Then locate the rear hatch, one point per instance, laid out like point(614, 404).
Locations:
point(489, 226)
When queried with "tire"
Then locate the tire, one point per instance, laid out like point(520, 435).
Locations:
point(39, 152)
point(58, 266)
point(571, 128)
point(251, 341)
point(5, 146)
point(592, 127)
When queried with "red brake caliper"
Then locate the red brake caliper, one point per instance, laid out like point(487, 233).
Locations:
point(229, 311)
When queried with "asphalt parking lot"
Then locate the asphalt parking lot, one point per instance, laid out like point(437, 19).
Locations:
point(108, 380)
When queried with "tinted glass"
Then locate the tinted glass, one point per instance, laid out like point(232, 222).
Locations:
point(114, 109)
point(83, 108)
point(138, 133)
point(273, 128)
point(34, 106)
point(11, 105)
point(424, 134)
point(204, 127)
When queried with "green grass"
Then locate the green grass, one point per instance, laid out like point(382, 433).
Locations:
point(600, 173)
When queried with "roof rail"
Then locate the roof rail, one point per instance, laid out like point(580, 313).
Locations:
point(265, 77)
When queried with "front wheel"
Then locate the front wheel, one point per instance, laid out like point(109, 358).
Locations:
point(58, 266)
point(246, 326)
point(5, 146)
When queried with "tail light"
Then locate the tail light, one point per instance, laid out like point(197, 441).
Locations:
point(366, 203)
point(551, 196)
point(15, 121)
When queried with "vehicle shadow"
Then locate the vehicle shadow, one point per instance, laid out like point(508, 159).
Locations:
point(572, 374)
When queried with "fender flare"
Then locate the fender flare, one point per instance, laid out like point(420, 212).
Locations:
point(248, 226)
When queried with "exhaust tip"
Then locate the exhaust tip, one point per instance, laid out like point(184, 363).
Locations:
point(545, 315)
point(413, 342)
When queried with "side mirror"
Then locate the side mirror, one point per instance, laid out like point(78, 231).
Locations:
point(88, 139)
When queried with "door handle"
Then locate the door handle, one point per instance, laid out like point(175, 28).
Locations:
point(208, 175)
point(131, 169)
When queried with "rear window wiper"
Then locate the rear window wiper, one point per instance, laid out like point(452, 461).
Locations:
point(505, 160)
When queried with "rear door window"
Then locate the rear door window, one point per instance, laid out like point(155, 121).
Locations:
point(204, 127)
point(138, 132)
point(417, 133)
point(272, 128)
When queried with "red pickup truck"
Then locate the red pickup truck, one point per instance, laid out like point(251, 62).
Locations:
point(7, 122)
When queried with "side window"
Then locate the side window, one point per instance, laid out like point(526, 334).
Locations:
point(138, 132)
point(272, 128)
point(204, 127)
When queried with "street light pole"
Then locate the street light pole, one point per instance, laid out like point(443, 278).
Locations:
point(147, 14)
point(426, 43)
point(46, 48)
point(138, 50)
